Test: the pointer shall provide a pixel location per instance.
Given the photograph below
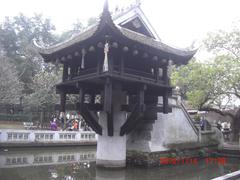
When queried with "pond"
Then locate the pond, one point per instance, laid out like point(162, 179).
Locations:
point(73, 163)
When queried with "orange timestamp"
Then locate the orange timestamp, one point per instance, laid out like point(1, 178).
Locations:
point(191, 161)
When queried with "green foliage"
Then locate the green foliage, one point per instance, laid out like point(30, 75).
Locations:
point(214, 85)
point(77, 27)
point(10, 86)
point(17, 34)
point(197, 117)
point(24, 73)
point(197, 82)
point(210, 83)
point(224, 42)
point(44, 90)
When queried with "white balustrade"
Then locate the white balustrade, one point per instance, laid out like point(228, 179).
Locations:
point(26, 136)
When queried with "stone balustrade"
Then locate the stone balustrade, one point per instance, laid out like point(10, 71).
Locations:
point(30, 136)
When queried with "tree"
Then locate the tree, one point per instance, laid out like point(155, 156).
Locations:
point(10, 86)
point(77, 28)
point(44, 93)
point(31, 77)
point(16, 36)
point(214, 86)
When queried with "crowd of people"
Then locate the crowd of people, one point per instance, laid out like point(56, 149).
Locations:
point(68, 122)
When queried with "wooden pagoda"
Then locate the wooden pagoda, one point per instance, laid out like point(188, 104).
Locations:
point(106, 56)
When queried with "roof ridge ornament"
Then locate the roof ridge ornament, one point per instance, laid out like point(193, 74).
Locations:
point(106, 15)
point(106, 6)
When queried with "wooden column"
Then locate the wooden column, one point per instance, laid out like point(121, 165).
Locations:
point(81, 99)
point(156, 70)
point(65, 72)
point(99, 66)
point(108, 105)
point(122, 65)
point(108, 95)
point(62, 101)
point(165, 102)
point(141, 98)
point(165, 74)
point(110, 63)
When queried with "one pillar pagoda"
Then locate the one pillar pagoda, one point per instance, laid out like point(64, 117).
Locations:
point(118, 73)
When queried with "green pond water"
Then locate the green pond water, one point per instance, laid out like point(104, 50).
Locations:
point(75, 163)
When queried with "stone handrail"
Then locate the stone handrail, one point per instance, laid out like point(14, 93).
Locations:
point(28, 136)
point(196, 130)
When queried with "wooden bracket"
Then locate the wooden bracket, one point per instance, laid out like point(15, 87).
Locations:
point(135, 117)
point(90, 119)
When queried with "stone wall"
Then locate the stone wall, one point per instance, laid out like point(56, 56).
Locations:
point(152, 159)
point(167, 129)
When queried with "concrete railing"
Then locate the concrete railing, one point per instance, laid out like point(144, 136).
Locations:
point(28, 136)
point(23, 159)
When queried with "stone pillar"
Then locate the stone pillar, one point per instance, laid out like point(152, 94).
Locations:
point(111, 150)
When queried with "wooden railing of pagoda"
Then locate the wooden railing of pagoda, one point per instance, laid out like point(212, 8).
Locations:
point(133, 73)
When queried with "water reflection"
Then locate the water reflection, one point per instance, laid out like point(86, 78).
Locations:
point(79, 163)
point(33, 157)
point(105, 174)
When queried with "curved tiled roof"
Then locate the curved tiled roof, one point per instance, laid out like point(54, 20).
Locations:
point(131, 35)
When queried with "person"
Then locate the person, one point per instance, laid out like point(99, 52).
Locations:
point(202, 123)
point(75, 125)
point(62, 119)
point(219, 126)
point(53, 125)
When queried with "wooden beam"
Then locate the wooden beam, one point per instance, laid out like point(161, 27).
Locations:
point(149, 108)
point(92, 107)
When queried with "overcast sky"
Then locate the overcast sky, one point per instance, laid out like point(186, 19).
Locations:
point(178, 22)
